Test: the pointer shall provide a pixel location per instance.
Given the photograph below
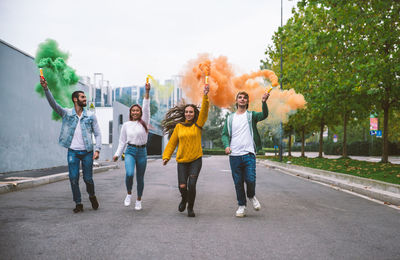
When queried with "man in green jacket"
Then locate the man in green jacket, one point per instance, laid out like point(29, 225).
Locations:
point(242, 141)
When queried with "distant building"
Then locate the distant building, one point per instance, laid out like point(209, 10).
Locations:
point(131, 93)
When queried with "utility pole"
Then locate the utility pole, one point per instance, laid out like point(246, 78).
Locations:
point(280, 126)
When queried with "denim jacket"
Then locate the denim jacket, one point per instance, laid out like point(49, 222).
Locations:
point(70, 119)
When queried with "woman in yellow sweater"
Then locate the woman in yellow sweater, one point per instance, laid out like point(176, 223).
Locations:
point(186, 122)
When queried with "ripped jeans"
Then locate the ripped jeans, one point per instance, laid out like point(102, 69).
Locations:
point(75, 158)
point(187, 176)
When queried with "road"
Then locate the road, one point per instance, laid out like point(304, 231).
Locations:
point(298, 220)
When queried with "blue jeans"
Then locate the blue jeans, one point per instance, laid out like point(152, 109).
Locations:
point(243, 169)
point(75, 157)
point(135, 156)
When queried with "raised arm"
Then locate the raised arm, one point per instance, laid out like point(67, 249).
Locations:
point(52, 102)
point(205, 104)
point(264, 114)
point(146, 105)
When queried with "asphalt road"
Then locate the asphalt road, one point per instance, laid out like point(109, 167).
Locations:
point(298, 220)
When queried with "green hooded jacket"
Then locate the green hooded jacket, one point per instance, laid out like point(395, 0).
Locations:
point(252, 118)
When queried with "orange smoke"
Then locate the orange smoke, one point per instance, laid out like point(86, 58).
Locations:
point(205, 67)
point(281, 104)
point(224, 86)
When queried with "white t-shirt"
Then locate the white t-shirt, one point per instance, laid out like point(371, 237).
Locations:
point(241, 142)
point(77, 141)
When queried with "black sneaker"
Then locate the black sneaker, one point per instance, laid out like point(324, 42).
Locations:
point(78, 208)
point(95, 203)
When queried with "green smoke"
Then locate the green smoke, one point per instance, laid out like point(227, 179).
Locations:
point(61, 78)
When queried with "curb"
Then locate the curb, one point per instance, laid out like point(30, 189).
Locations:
point(33, 182)
point(388, 193)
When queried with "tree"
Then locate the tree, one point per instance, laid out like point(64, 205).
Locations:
point(343, 56)
point(212, 130)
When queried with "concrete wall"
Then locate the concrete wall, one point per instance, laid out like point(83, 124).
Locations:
point(28, 136)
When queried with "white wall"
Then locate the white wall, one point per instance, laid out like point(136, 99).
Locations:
point(104, 116)
point(28, 135)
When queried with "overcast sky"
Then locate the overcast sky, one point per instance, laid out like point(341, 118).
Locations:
point(126, 40)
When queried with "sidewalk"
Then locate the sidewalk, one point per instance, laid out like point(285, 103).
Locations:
point(387, 193)
point(392, 159)
point(14, 181)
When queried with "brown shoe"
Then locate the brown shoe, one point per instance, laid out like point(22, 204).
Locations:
point(95, 203)
point(78, 208)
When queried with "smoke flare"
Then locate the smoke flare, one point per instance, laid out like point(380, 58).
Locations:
point(224, 85)
point(59, 76)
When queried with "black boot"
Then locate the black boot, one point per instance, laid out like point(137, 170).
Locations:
point(182, 204)
point(190, 211)
point(191, 198)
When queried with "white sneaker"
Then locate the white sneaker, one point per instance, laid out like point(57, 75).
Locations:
point(127, 200)
point(138, 205)
point(241, 212)
point(256, 203)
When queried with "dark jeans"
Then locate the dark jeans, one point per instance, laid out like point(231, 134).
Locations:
point(135, 156)
point(187, 175)
point(75, 157)
point(243, 169)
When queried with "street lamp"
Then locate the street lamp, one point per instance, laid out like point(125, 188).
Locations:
point(280, 125)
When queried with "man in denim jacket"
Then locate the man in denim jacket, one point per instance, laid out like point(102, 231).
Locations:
point(242, 141)
point(77, 128)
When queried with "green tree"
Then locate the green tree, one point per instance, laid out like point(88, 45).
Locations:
point(212, 130)
point(372, 33)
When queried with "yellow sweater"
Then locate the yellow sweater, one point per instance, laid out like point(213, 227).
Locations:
point(188, 137)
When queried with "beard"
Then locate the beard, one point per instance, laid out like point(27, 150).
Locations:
point(81, 103)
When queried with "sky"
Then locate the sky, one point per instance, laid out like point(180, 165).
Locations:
point(127, 40)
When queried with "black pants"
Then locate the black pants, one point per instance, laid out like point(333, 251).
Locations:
point(187, 175)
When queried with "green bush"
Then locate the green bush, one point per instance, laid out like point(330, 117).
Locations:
point(214, 151)
point(361, 148)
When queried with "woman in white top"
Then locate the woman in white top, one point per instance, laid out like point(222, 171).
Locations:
point(134, 135)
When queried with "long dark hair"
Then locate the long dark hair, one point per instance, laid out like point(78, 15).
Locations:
point(176, 115)
point(140, 118)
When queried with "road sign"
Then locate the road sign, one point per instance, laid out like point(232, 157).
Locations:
point(379, 134)
point(372, 132)
point(335, 138)
point(91, 107)
point(373, 123)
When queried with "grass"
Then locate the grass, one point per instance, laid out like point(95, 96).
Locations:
point(386, 172)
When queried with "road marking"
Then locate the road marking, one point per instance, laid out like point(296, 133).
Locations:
point(19, 178)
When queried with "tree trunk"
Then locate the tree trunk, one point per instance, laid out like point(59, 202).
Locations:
point(385, 150)
point(344, 152)
point(321, 139)
point(290, 145)
point(302, 141)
